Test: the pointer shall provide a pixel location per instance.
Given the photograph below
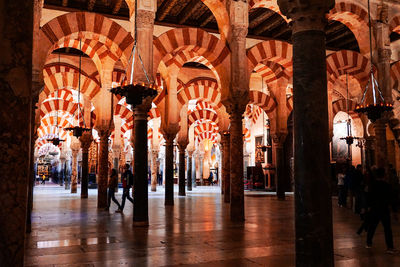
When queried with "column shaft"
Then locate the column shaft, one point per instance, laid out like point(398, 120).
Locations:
point(102, 179)
point(85, 173)
point(280, 170)
point(182, 171)
point(236, 167)
point(189, 172)
point(154, 155)
point(74, 173)
point(16, 18)
point(140, 187)
point(313, 204)
point(380, 143)
point(226, 159)
point(169, 170)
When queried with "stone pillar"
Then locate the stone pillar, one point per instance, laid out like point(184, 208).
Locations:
point(226, 166)
point(15, 132)
point(74, 173)
point(86, 140)
point(313, 212)
point(169, 169)
point(194, 168)
point(182, 149)
point(116, 150)
point(189, 172)
point(236, 166)
point(278, 140)
point(140, 187)
point(154, 157)
point(102, 177)
point(369, 152)
point(201, 165)
point(380, 143)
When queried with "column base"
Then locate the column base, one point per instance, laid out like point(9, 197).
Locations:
point(140, 224)
point(154, 190)
point(169, 203)
point(181, 194)
point(84, 196)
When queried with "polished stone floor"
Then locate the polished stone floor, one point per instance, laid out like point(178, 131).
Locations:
point(68, 231)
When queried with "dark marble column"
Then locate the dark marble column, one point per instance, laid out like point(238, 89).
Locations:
point(102, 178)
point(277, 145)
point(369, 152)
point(16, 19)
point(380, 143)
point(140, 187)
point(226, 166)
point(189, 172)
point(236, 167)
point(74, 172)
point(313, 203)
point(194, 170)
point(86, 140)
point(169, 169)
point(182, 171)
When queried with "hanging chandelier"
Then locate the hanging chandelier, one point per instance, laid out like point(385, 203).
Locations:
point(349, 138)
point(134, 93)
point(56, 139)
point(78, 130)
point(375, 109)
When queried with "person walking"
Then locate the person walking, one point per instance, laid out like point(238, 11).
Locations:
point(127, 182)
point(112, 184)
point(379, 201)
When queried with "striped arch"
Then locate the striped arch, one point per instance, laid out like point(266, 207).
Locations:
point(269, 4)
point(62, 122)
point(154, 113)
point(201, 88)
point(271, 71)
point(185, 56)
point(200, 105)
point(64, 29)
point(253, 112)
point(205, 126)
point(117, 76)
point(207, 135)
point(395, 24)
point(207, 45)
point(264, 101)
point(289, 103)
point(62, 80)
point(58, 104)
point(124, 112)
point(150, 133)
point(44, 131)
point(340, 105)
point(199, 115)
point(63, 94)
point(355, 18)
point(274, 51)
point(349, 62)
point(55, 67)
point(246, 135)
point(395, 74)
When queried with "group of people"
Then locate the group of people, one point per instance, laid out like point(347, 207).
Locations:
point(376, 194)
point(127, 183)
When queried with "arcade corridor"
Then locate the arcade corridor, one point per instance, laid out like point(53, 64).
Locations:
point(68, 231)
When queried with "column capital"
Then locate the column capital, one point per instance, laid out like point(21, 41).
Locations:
point(306, 15)
point(145, 19)
point(104, 129)
point(182, 144)
point(278, 138)
point(86, 140)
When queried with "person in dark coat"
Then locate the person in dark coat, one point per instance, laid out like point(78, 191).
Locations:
point(127, 183)
point(379, 200)
point(112, 184)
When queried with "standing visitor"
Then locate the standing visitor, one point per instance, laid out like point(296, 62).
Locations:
point(379, 202)
point(358, 185)
point(342, 192)
point(127, 182)
point(112, 184)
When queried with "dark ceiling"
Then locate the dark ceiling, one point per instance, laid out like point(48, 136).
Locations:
point(263, 23)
